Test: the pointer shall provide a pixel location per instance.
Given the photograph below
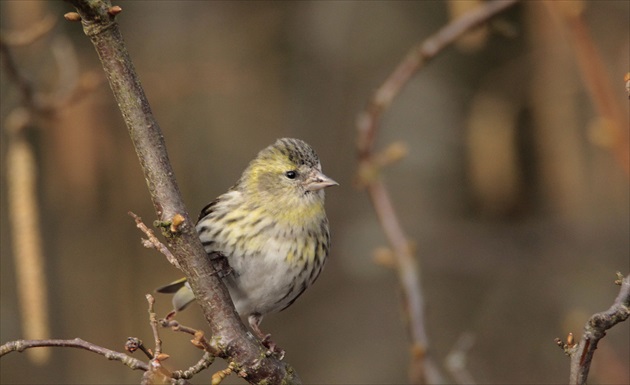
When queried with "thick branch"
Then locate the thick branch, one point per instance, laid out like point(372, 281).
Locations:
point(97, 17)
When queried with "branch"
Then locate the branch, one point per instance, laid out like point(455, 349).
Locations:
point(22, 169)
point(457, 359)
point(423, 369)
point(417, 57)
point(97, 17)
point(203, 363)
point(21, 345)
point(594, 74)
point(69, 89)
point(28, 36)
point(152, 242)
point(594, 330)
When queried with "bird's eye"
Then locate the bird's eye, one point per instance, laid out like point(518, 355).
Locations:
point(291, 174)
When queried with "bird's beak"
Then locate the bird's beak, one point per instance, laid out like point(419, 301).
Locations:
point(318, 181)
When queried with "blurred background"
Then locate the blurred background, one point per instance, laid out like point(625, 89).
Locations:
point(514, 190)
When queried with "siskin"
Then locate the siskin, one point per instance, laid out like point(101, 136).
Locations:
point(271, 228)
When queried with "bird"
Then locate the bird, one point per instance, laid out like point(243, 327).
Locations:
point(271, 230)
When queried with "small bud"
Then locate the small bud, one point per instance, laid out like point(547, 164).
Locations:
point(72, 16)
point(198, 341)
point(115, 10)
point(385, 257)
point(218, 377)
point(395, 152)
point(132, 344)
point(418, 351)
point(177, 221)
point(162, 357)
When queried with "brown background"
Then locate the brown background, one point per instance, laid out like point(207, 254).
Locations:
point(520, 219)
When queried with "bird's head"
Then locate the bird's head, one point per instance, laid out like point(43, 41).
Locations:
point(286, 173)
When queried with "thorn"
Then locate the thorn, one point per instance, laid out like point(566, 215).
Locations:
point(72, 16)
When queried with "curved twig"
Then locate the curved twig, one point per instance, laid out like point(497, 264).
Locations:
point(423, 369)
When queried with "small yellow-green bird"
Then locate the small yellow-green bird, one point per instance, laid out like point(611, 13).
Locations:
point(272, 229)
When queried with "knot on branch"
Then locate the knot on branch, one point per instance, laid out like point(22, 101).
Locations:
point(599, 321)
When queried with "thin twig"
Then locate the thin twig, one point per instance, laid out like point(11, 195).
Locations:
point(203, 363)
point(200, 341)
point(153, 242)
point(457, 359)
point(416, 58)
point(155, 365)
point(594, 330)
point(21, 345)
point(423, 369)
point(154, 325)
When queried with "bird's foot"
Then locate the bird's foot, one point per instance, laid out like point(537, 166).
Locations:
point(221, 265)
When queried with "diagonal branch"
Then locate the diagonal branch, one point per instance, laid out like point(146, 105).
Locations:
point(97, 17)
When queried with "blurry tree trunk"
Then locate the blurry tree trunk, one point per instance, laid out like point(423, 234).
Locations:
point(555, 112)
